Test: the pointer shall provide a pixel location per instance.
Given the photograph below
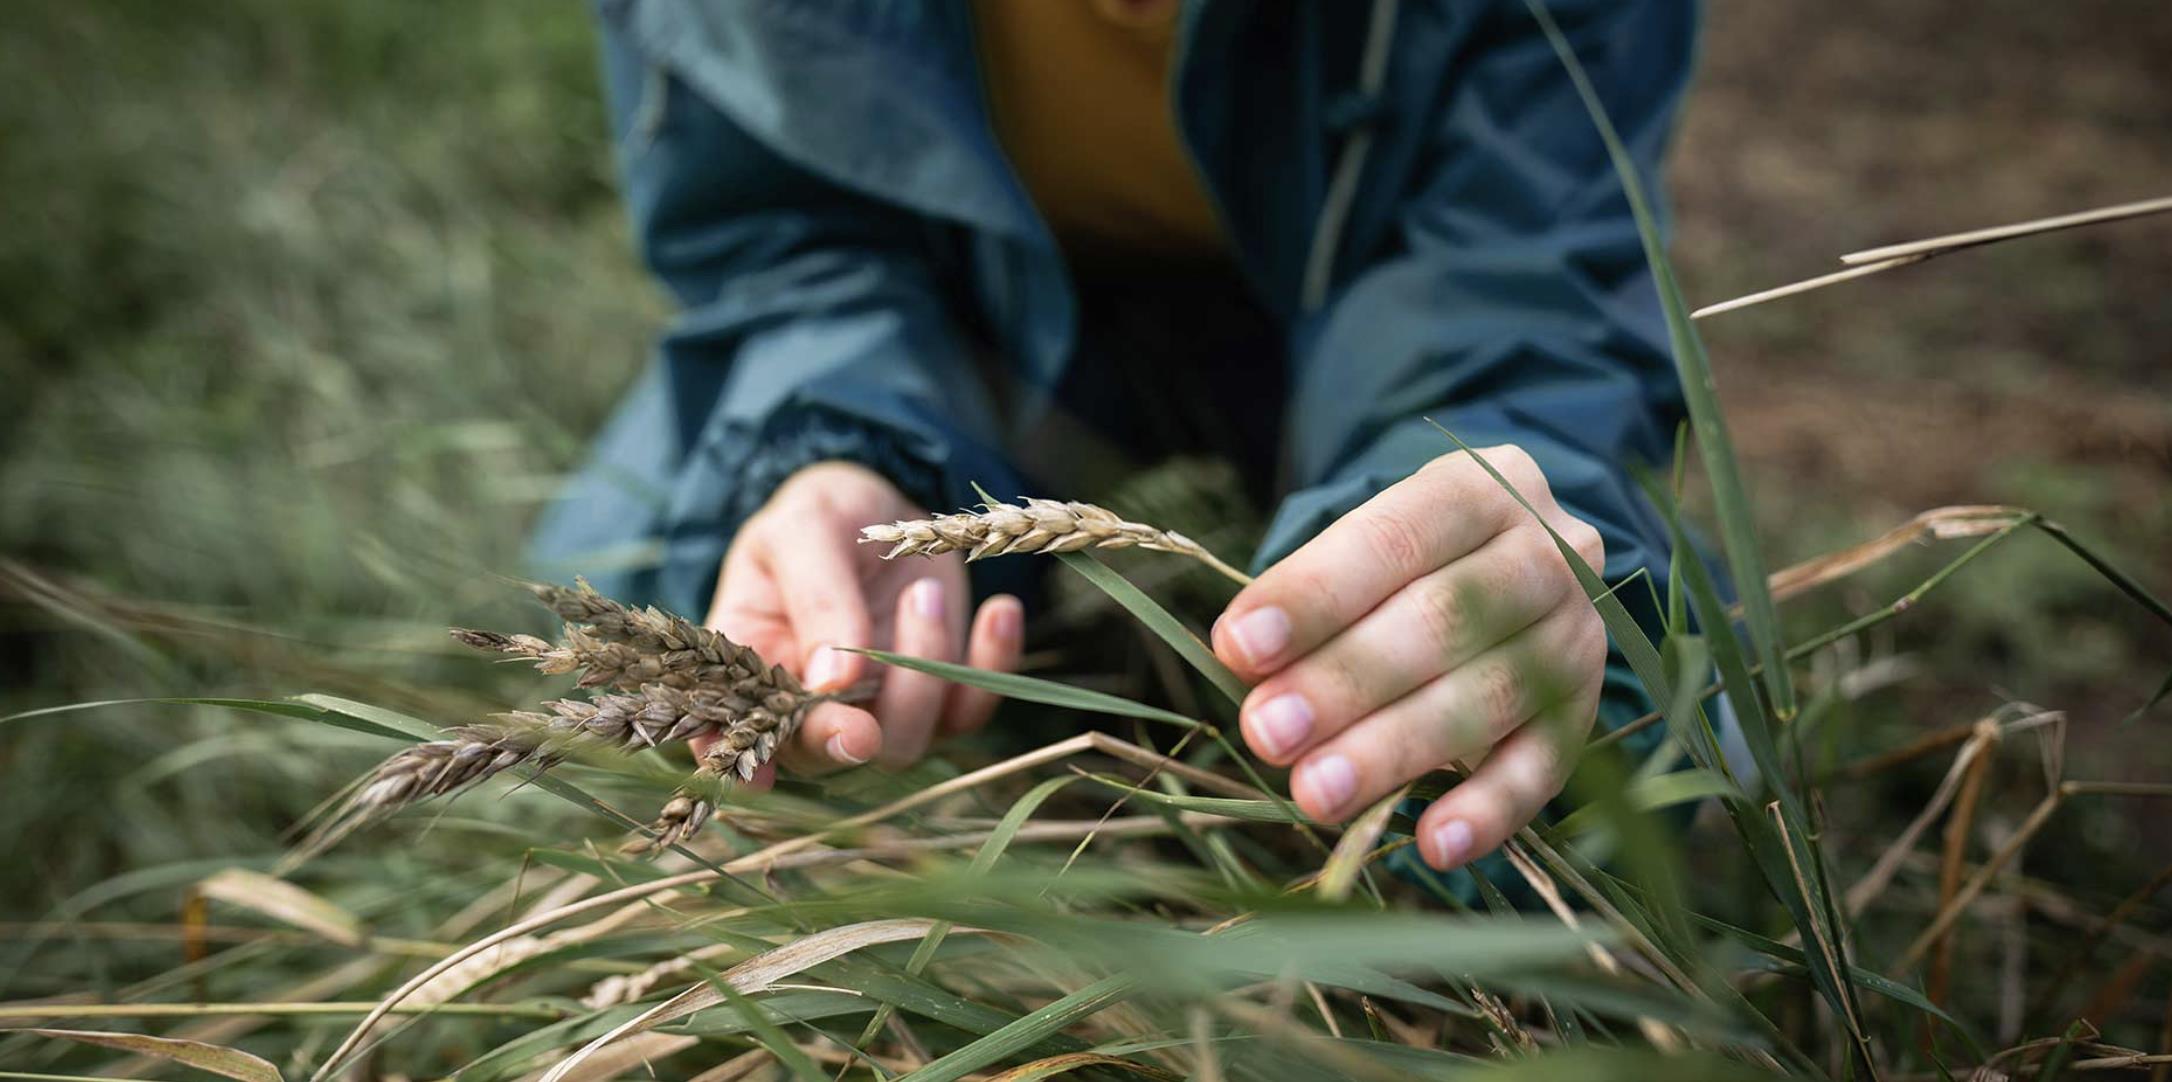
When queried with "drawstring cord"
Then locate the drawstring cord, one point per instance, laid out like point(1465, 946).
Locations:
point(1342, 189)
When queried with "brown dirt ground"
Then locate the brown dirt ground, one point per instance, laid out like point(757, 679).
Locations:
point(1816, 130)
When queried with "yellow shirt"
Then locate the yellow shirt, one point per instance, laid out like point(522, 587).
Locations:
point(1081, 97)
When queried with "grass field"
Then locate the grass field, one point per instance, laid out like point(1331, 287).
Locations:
point(305, 307)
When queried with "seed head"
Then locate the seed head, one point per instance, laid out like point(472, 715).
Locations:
point(1032, 526)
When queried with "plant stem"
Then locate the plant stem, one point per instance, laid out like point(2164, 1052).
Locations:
point(199, 1010)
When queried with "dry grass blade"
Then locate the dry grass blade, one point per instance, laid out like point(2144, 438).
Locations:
point(1958, 828)
point(1034, 526)
point(2034, 823)
point(284, 902)
point(1874, 260)
point(1939, 523)
point(1989, 522)
point(479, 968)
point(2112, 921)
point(1807, 285)
point(2163, 1069)
point(1954, 906)
point(1075, 1061)
point(757, 974)
point(228, 1062)
point(741, 1066)
point(635, 897)
point(630, 987)
point(1955, 241)
point(631, 1058)
point(1874, 882)
point(1549, 893)
point(1351, 852)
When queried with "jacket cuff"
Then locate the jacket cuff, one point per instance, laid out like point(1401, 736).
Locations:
point(792, 440)
point(932, 466)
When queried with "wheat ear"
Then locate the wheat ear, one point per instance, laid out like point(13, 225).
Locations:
point(666, 680)
point(1030, 526)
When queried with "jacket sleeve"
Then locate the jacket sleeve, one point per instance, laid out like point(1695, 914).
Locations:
point(810, 327)
point(1512, 303)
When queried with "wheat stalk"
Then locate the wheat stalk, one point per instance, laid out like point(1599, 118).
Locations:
point(1033, 526)
point(664, 680)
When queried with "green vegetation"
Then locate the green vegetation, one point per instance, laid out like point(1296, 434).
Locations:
point(315, 305)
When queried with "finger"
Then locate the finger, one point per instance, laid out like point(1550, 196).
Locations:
point(742, 582)
point(1456, 716)
point(820, 591)
point(744, 608)
point(764, 779)
point(1418, 524)
point(999, 635)
point(1526, 769)
point(910, 701)
point(1426, 629)
point(832, 737)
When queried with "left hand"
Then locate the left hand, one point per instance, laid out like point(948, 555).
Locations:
point(1436, 622)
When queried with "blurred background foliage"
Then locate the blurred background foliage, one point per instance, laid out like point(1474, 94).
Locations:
point(306, 306)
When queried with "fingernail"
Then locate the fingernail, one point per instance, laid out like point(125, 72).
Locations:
point(837, 751)
point(927, 599)
point(1008, 621)
point(1452, 842)
point(1261, 634)
point(825, 668)
point(1282, 723)
point(1331, 781)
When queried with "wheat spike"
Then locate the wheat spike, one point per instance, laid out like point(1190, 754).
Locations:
point(685, 652)
point(603, 663)
point(660, 680)
point(1033, 526)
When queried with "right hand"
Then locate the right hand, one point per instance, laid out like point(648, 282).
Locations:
point(796, 582)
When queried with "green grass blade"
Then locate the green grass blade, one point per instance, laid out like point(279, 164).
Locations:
point(1781, 953)
point(1628, 636)
point(1251, 811)
point(1779, 853)
point(2127, 583)
point(1187, 645)
point(1735, 678)
point(1729, 496)
point(1032, 689)
point(273, 707)
point(1160, 621)
point(999, 839)
point(1027, 1031)
point(2164, 690)
point(1652, 794)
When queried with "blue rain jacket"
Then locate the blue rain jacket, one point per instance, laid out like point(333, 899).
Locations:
point(1411, 188)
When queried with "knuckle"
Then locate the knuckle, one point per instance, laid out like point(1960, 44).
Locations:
point(1594, 641)
point(1395, 539)
point(1584, 538)
point(1455, 461)
point(1293, 587)
point(1334, 685)
point(1514, 462)
point(1536, 776)
point(1535, 550)
point(1441, 610)
point(1500, 697)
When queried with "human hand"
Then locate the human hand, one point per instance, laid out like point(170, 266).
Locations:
point(1435, 623)
point(796, 583)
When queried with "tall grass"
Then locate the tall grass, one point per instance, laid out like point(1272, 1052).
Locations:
point(1136, 901)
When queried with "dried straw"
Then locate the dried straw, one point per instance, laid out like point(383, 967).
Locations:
point(1034, 526)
